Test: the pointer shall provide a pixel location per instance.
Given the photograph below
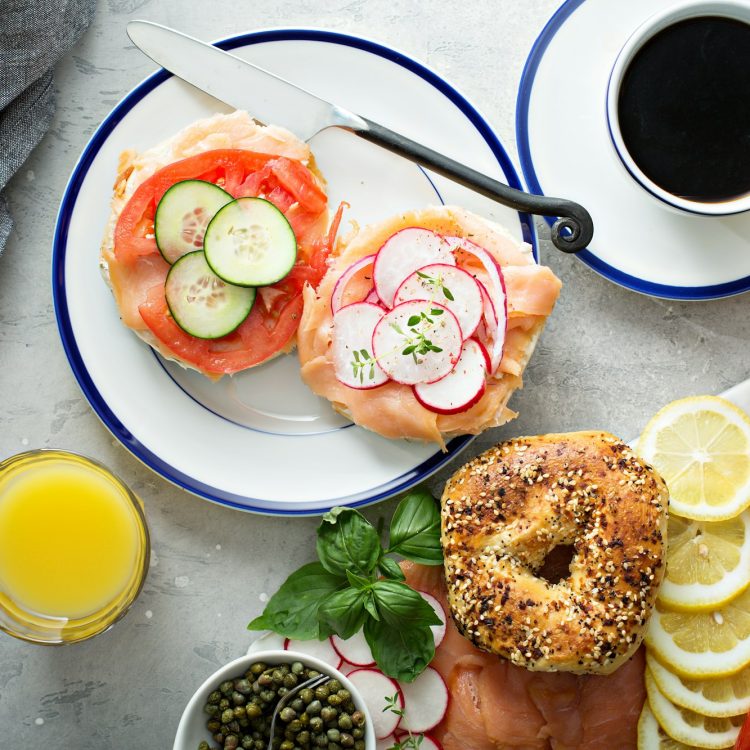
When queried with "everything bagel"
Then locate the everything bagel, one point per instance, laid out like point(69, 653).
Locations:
point(506, 510)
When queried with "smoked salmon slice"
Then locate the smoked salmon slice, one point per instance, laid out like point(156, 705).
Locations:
point(495, 705)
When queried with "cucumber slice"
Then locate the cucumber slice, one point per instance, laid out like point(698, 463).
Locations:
point(201, 303)
point(183, 214)
point(250, 243)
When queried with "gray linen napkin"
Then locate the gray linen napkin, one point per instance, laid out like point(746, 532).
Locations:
point(34, 35)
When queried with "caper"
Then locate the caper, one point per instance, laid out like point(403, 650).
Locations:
point(334, 700)
point(267, 695)
point(298, 705)
point(286, 745)
point(219, 737)
point(247, 743)
point(240, 712)
point(303, 738)
point(316, 723)
point(213, 725)
point(290, 680)
point(347, 740)
point(211, 709)
point(359, 745)
point(321, 740)
point(313, 709)
point(258, 668)
point(321, 692)
point(298, 667)
point(265, 679)
point(312, 673)
point(233, 727)
point(282, 691)
point(203, 746)
point(214, 696)
point(227, 716)
point(253, 710)
point(287, 714)
point(295, 726)
point(334, 685)
point(243, 686)
point(224, 704)
point(231, 742)
point(334, 735)
point(358, 718)
point(238, 699)
point(328, 712)
point(358, 732)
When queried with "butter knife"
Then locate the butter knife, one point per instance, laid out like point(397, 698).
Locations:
point(272, 99)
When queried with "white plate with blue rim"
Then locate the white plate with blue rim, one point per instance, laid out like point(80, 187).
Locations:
point(565, 147)
point(261, 441)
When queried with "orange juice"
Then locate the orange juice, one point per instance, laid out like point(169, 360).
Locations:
point(73, 547)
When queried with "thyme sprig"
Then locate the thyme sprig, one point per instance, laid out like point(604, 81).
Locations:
point(417, 343)
point(411, 741)
point(363, 361)
point(436, 282)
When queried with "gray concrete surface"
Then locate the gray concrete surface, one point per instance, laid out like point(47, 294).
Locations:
point(608, 359)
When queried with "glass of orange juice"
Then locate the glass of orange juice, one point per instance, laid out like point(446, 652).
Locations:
point(74, 547)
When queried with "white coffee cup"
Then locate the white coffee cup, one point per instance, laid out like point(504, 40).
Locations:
point(735, 9)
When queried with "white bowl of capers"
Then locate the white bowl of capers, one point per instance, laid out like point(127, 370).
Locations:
point(306, 702)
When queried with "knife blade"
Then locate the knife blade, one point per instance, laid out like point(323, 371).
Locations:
point(272, 99)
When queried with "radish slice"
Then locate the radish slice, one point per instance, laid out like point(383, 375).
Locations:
point(387, 743)
point(438, 631)
point(425, 743)
point(461, 388)
point(402, 254)
point(353, 360)
point(322, 650)
point(372, 297)
point(338, 298)
point(268, 642)
point(441, 282)
point(426, 702)
point(400, 328)
point(375, 687)
point(355, 650)
point(346, 668)
point(496, 292)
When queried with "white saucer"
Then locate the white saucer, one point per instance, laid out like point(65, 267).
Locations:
point(565, 149)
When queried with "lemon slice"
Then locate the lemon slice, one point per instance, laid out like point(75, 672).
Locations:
point(652, 737)
point(713, 643)
point(723, 696)
point(701, 446)
point(708, 562)
point(686, 726)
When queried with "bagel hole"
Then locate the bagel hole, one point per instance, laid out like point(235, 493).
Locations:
point(556, 566)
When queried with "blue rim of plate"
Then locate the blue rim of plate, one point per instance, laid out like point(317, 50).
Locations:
point(85, 382)
point(653, 289)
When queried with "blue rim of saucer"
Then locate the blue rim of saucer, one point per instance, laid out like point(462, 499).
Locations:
point(634, 283)
point(85, 381)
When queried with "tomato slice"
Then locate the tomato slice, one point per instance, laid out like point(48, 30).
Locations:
point(295, 191)
point(743, 740)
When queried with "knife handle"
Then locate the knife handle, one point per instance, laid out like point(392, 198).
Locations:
point(571, 232)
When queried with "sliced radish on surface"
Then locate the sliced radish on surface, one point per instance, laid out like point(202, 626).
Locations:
point(450, 286)
point(386, 743)
point(322, 650)
point(488, 309)
point(372, 297)
point(402, 254)
point(438, 631)
point(346, 290)
point(355, 650)
point(346, 668)
point(353, 360)
point(375, 688)
point(401, 332)
point(425, 743)
point(426, 701)
point(462, 387)
point(495, 289)
point(267, 642)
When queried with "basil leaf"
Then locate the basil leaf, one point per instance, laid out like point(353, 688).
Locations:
point(402, 653)
point(415, 529)
point(347, 541)
point(400, 605)
point(344, 612)
point(370, 607)
point(293, 610)
point(357, 582)
point(390, 569)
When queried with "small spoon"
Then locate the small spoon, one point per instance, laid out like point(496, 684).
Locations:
point(313, 682)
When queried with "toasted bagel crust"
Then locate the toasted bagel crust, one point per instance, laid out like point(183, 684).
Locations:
point(507, 509)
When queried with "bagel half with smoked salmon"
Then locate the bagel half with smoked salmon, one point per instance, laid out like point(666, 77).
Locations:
point(232, 157)
point(424, 323)
point(508, 509)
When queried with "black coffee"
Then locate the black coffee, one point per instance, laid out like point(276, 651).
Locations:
point(684, 109)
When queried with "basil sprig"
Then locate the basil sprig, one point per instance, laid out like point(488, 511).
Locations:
point(357, 585)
